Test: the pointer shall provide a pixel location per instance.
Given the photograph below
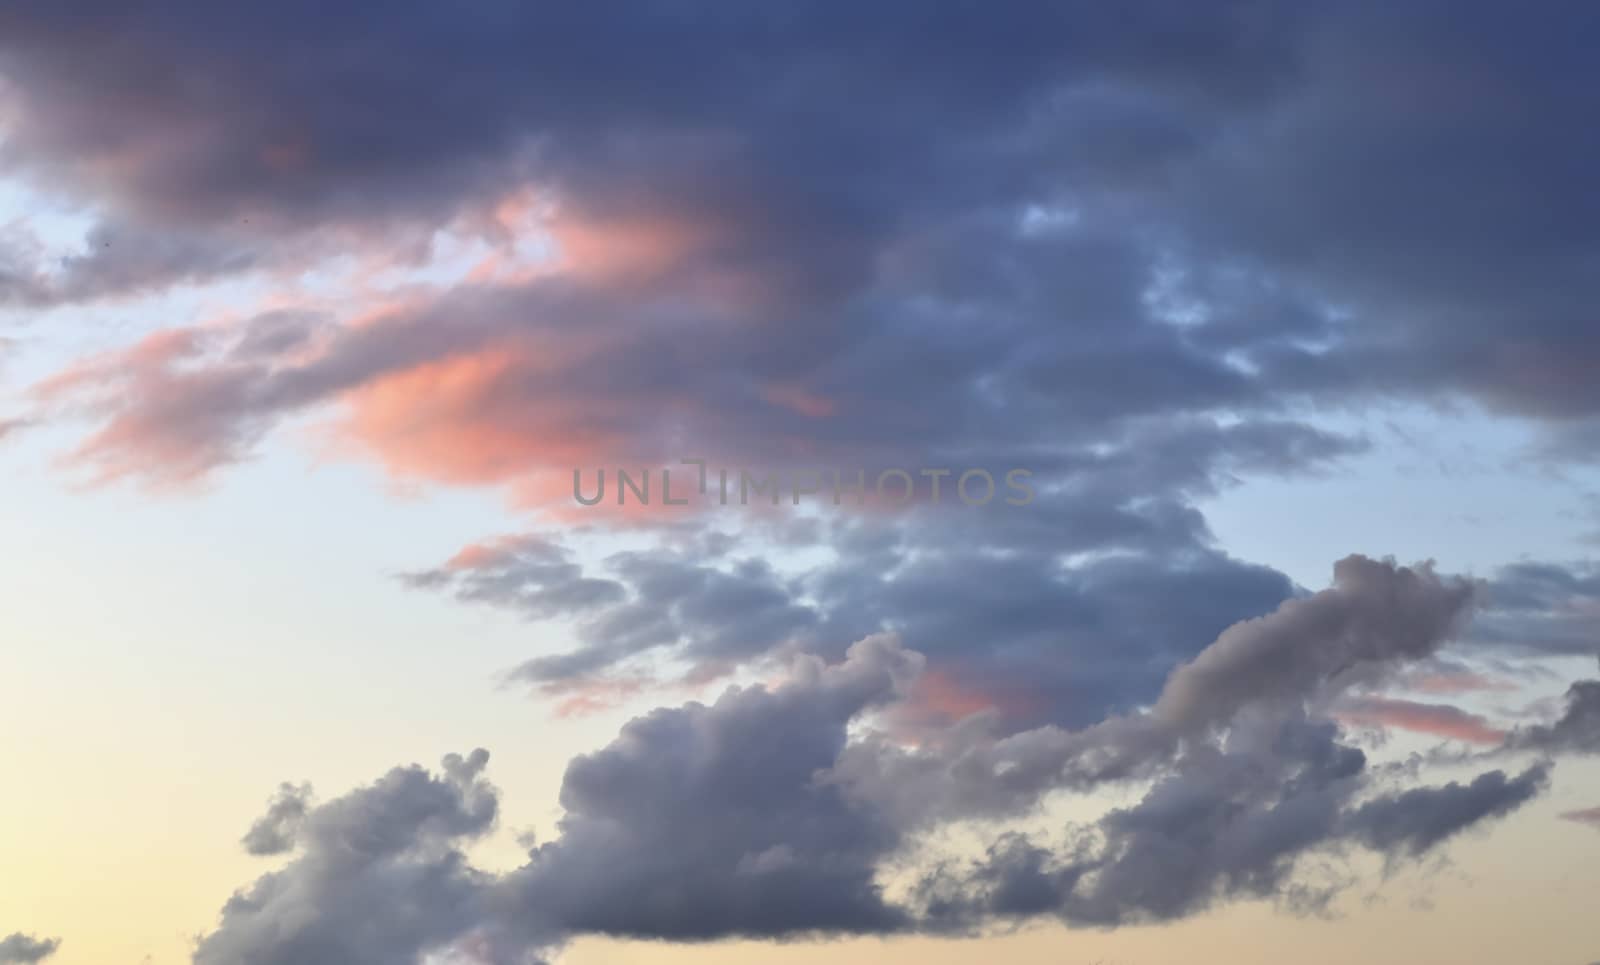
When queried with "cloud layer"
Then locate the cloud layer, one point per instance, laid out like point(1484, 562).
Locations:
point(791, 809)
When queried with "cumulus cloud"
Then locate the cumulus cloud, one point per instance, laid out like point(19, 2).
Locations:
point(1374, 617)
point(697, 822)
point(1378, 616)
point(706, 822)
point(377, 876)
point(780, 810)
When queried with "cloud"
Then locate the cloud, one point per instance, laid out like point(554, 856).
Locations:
point(274, 832)
point(1222, 824)
point(530, 574)
point(128, 260)
point(706, 822)
point(1000, 624)
point(377, 875)
point(1143, 224)
point(20, 949)
point(1576, 731)
point(1374, 617)
point(752, 816)
point(1541, 608)
point(1441, 720)
point(1072, 607)
point(1589, 816)
point(653, 600)
point(696, 822)
point(1418, 819)
point(1272, 670)
point(991, 623)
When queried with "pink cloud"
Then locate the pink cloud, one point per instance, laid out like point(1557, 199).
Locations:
point(1440, 720)
point(1589, 816)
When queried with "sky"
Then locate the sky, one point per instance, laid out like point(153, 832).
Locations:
point(1218, 382)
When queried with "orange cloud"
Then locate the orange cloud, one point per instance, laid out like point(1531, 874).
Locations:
point(466, 419)
point(627, 250)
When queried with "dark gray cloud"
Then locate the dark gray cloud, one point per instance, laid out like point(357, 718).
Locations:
point(744, 818)
point(1300, 658)
point(377, 877)
point(1418, 819)
point(1073, 607)
point(586, 98)
point(696, 822)
point(20, 949)
point(1245, 783)
point(1001, 625)
point(778, 811)
point(1576, 731)
point(706, 822)
point(1103, 223)
point(1226, 823)
point(1320, 196)
point(1067, 609)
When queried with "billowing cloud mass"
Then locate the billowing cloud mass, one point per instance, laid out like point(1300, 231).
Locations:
point(20, 949)
point(792, 810)
point(378, 878)
point(1136, 252)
